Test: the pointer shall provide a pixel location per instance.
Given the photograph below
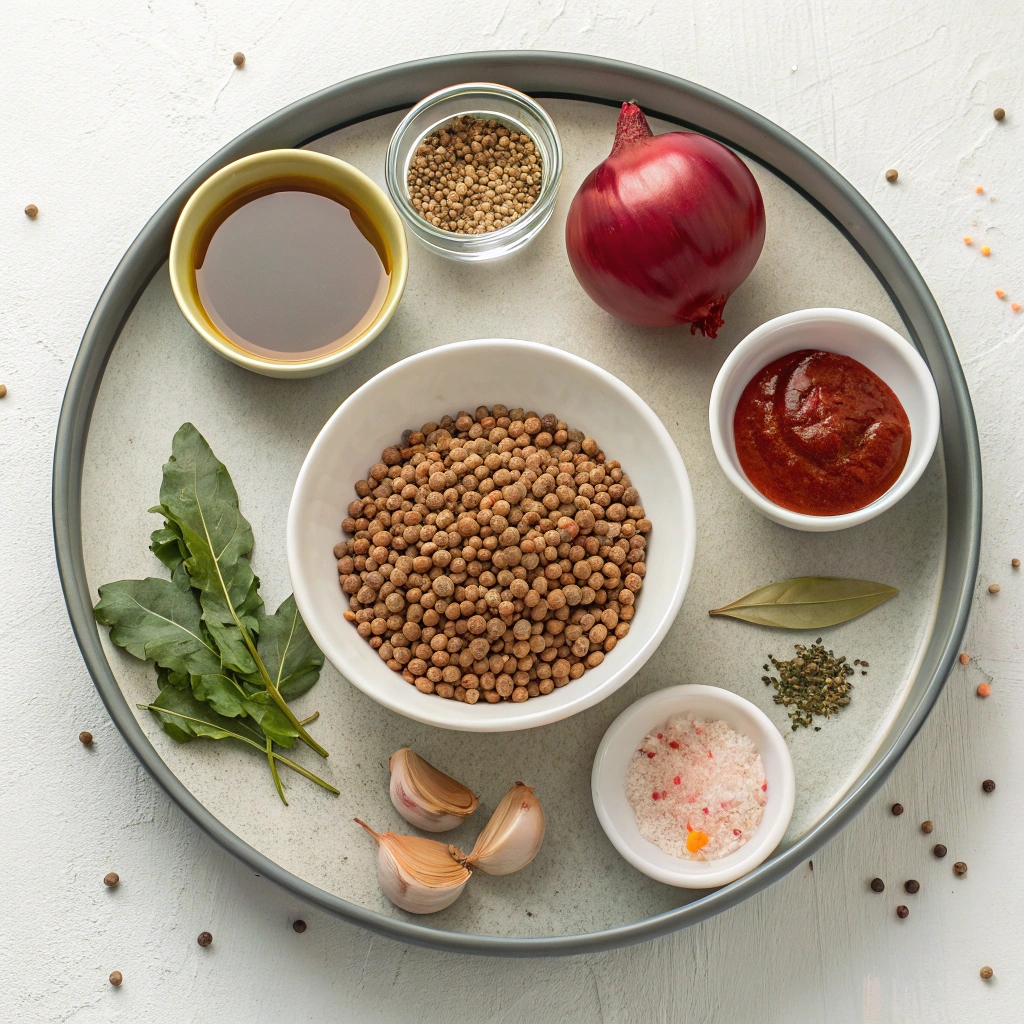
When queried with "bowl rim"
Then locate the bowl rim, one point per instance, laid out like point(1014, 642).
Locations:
point(442, 240)
point(193, 215)
point(656, 707)
point(883, 334)
point(434, 710)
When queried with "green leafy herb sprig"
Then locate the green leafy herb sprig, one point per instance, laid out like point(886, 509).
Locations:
point(225, 667)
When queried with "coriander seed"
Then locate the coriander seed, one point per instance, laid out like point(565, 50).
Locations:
point(891, 175)
point(993, 588)
point(877, 885)
point(986, 973)
point(926, 827)
point(902, 912)
point(474, 176)
point(31, 211)
point(1015, 563)
point(238, 59)
point(988, 786)
point(299, 926)
point(204, 939)
point(912, 885)
point(115, 978)
point(939, 850)
point(960, 869)
point(999, 113)
point(85, 738)
point(111, 878)
point(897, 809)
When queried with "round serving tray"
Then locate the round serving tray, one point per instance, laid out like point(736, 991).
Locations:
point(137, 356)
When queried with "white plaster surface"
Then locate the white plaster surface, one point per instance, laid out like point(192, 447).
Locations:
point(108, 108)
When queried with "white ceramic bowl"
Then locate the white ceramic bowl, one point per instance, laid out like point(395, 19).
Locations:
point(608, 784)
point(847, 333)
point(445, 380)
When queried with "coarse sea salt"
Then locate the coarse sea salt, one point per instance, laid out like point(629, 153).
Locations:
point(697, 788)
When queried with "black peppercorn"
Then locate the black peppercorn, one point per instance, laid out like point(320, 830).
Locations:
point(988, 785)
point(902, 912)
point(912, 885)
point(204, 939)
point(299, 926)
point(939, 850)
point(897, 808)
point(877, 885)
point(960, 868)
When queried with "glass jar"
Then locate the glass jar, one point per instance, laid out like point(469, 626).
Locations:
point(483, 100)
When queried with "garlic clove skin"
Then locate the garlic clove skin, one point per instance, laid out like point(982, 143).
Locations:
point(418, 875)
point(512, 838)
point(426, 797)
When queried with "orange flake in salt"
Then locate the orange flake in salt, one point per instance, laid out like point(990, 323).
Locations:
point(696, 841)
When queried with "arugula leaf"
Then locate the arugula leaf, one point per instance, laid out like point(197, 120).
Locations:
point(155, 620)
point(197, 495)
point(290, 654)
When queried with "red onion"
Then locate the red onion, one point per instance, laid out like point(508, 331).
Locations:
point(666, 229)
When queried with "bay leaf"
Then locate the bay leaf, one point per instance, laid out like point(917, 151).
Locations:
point(808, 602)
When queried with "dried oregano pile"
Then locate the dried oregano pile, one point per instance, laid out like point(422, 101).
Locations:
point(494, 555)
point(815, 682)
point(474, 176)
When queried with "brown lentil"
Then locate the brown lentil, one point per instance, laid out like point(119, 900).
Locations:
point(877, 885)
point(31, 211)
point(204, 939)
point(912, 885)
point(483, 558)
point(897, 808)
point(115, 978)
point(891, 175)
point(988, 786)
point(238, 59)
point(939, 850)
point(110, 879)
point(299, 926)
point(986, 973)
point(960, 869)
point(474, 176)
point(85, 738)
point(926, 827)
point(902, 912)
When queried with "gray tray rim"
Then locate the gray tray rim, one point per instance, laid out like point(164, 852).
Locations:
point(600, 80)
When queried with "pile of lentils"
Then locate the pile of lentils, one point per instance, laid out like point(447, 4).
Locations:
point(496, 554)
point(474, 176)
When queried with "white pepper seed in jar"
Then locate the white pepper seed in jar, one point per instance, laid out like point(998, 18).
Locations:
point(474, 176)
point(493, 556)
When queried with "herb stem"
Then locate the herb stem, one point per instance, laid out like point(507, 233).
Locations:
point(273, 771)
point(312, 718)
point(245, 739)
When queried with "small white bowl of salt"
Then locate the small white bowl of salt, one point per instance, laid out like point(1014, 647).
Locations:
point(694, 786)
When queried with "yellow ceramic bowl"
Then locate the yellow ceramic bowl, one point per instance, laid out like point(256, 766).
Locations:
point(242, 176)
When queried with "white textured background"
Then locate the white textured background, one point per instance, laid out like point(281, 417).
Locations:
point(106, 108)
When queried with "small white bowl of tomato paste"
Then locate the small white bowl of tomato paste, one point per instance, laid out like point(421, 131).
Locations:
point(824, 418)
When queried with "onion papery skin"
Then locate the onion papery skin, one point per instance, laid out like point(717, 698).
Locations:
point(666, 228)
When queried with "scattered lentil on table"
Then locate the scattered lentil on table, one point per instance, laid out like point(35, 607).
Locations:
point(939, 850)
point(902, 912)
point(85, 738)
point(496, 555)
point(988, 786)
point(474, 176)
point(960, 869)
point(984, 690)
point(238, 59)
point(891, 175)
point(31, 211)
point(986, 973)
point(985, 250)
point(111, 878)
point(877, 885)
point(115, 978)
point(897, 808)
point(999, 113)
point(993, 588)
point(912, 885)
point(965, 658)
point(1015, 563)
point(204, 939)
point(927, 827)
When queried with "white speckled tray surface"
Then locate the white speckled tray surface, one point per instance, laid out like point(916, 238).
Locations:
point(161, 374)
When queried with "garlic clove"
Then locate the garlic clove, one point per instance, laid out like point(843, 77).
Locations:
point(419, 875)
point(426, 797)
point(513, 836)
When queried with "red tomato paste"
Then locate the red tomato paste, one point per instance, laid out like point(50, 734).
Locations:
point(819, 433)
